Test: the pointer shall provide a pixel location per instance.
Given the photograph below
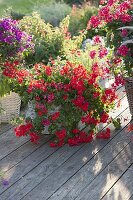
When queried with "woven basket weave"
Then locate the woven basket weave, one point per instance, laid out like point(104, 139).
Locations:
point(129, 92)
point(11, 106)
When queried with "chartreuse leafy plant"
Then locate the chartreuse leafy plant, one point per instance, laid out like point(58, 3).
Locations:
point(92, 53)
point(47, 40)
point(50, 42)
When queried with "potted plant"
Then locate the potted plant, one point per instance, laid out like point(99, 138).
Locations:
point(66, 96)
point(67, 99)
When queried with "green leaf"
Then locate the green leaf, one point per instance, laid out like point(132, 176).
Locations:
point(117, 123)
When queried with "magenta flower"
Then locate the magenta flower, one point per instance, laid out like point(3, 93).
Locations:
point(123, 50)
point(46, 122)
point(5, 182)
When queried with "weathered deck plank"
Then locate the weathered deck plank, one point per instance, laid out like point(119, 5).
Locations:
point(9, 143)
point(4, 128)
point(20, 154)
point(27, 183)
point(27, 164)
point(108, 176)
point(123, 189)
point(73, 187)
point(66, 171)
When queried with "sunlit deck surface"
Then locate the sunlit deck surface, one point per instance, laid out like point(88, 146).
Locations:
point(102, 169)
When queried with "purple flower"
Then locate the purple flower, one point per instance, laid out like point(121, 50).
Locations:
point(5, 182)
point(12, 37)
point(9, 39)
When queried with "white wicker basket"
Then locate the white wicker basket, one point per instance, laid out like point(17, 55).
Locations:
point(11, 106)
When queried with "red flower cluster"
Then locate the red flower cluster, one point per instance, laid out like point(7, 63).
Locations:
point(97, 39)
point(104, 117)
point(81, 138)
point(113, 10)
point(92, 54)
point(104, 134)
point(75, 92)
point(81, 103)
point(103, 52)
point(34, 137)
point(89, 120)
point(123, 50)
point(55, 116)
point(22, 130)
point(109, 96)
point(41, 109)
point(11, 70)
point(26, 129)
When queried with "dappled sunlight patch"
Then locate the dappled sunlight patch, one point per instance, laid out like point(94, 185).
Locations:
point(118, 191)
point(98, 165)
point(5, 168)
point(85, 159)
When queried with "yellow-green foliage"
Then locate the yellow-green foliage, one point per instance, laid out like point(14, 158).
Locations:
point(35, 26)
point(49, 41)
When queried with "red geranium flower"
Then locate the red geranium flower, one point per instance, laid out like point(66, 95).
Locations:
point(34, 137)
point(55, 116)
point(104, 134)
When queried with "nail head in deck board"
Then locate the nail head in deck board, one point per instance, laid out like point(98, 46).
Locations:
point(107, 178)
point(123, 189)
point(75, 185)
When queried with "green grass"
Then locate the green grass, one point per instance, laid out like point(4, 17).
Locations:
point(21, 6)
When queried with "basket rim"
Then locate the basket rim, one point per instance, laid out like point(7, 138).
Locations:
point(128, 79)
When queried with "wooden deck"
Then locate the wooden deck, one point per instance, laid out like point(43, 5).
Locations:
point(102, 169)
